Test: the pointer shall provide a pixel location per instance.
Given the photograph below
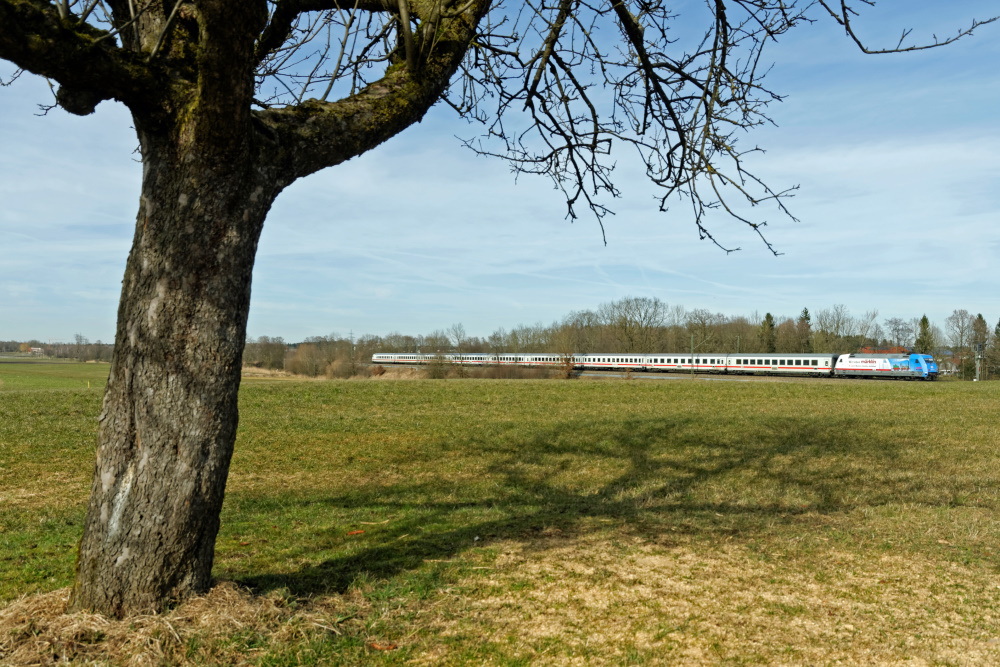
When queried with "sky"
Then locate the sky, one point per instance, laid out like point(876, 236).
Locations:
point(897, 158)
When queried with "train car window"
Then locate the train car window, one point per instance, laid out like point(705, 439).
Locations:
point(815, 362)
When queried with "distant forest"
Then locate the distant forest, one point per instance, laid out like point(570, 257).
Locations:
point(644, 325)
point(628, 325)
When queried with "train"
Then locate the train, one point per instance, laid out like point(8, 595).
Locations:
point(847, 365)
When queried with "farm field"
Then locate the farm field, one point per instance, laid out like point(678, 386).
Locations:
point(542, 522)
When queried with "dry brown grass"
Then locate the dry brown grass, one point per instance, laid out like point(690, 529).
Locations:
point(394, 373)
point(212, 629)
point(254, 372)
point(590, 597)
point(577, 600)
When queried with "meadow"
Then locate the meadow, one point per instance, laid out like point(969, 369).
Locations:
point(541, 522)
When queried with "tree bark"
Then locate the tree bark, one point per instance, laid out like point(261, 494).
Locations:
point(169, 417)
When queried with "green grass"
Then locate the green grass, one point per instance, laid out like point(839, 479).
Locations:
point(26, 374)
point(513, 522)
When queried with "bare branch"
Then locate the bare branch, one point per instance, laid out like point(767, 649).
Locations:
point(845, 12)
point(89, 69)
point(404, 27)
point(135, 17)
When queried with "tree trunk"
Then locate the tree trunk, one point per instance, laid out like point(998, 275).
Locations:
point(169, 417)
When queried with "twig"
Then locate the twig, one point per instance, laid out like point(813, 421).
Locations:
point(166, 27)
point(404, 22)
point(326, 627)
point(135, 18)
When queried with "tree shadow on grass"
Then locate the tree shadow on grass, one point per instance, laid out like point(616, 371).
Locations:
point(647, 476)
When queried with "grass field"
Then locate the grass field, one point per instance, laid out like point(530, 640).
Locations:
point(543, 522)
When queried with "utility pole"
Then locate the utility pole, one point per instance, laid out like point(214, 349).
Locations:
point(692, 356)
point(979, 361)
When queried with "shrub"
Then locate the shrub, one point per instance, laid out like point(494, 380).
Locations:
point(344, 368)
point(437, 368)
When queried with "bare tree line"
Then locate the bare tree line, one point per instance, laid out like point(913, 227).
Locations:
point(647, 324)
point(80, 349)
point(628, 325)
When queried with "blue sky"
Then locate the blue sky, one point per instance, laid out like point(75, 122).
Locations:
point(898, 159)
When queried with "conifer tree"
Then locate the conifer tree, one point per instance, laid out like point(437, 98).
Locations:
point(925, 339)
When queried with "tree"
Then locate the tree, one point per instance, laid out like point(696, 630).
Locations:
point(704, 326)
point(833, 325)
point(868, 329)
point(577, 333)
point(993, 353)
point(803, 329)
point(924, 343)
point(457, 336)
point(899, 331)
point(265, 352)
point(979, 344)
point(498, 341)
point(636, 322)
point(767, 334)
point(958, 325)
point(234, 101)
point(980, 330)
